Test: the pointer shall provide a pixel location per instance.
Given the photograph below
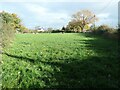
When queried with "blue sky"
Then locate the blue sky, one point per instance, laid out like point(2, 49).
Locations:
point(51, 13)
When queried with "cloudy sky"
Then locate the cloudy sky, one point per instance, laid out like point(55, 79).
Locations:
point(57, 13)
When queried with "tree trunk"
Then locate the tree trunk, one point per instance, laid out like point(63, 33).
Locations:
point(82, 28)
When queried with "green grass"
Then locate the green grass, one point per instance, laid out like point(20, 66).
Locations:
point(60, 61)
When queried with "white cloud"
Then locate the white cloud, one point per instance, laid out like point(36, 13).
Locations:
point(36, 9)
point(43, 14)
point(103, 18)
point(103, 15)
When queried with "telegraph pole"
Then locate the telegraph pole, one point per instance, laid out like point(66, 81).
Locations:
point(94, 23)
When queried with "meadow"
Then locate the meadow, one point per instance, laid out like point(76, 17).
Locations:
point(60, 61)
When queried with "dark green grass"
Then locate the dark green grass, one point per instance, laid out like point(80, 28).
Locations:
point(61, 61)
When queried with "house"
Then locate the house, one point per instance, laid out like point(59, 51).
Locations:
point(40, 29)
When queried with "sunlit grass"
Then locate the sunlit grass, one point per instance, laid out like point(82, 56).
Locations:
point(60, 60)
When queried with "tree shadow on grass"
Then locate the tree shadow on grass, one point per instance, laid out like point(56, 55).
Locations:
point(91, 72)
point(99, 71)
point(20, 57)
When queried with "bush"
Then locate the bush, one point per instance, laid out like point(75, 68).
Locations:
point(9, 24)
point(102, 29)
point(57, 31)
point(106, 31)
point(118, 31)
point(70, 31)
point(7, 33)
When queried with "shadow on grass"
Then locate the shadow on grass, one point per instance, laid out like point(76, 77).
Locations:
point(20, 57)
point(90, 72)
point(99, 71)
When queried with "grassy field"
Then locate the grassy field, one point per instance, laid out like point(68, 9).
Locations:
point(60, 61)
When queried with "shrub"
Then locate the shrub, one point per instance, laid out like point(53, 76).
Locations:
point(7, 33)
point(70, 32)
point(8, 25)
point(102, 29)
point(56, 31)
point(118, 31)
point(106, 31)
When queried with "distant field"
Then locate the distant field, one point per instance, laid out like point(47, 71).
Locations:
point(60, 61)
